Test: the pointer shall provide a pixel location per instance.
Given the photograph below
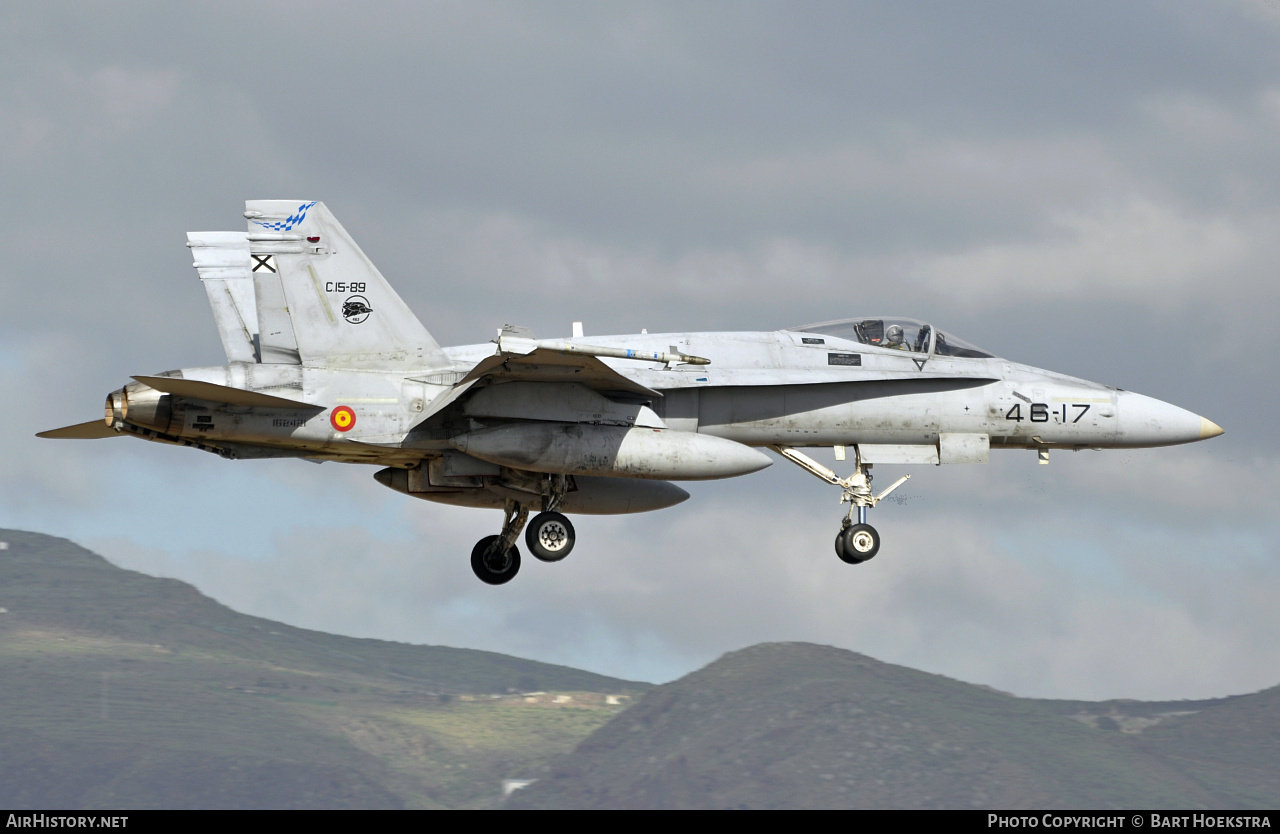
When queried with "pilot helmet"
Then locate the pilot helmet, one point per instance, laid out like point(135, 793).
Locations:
point(893, 335)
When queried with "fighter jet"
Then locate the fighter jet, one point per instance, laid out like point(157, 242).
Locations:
point(326, 362)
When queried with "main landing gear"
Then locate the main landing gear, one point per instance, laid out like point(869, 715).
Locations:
point(856, 542)
point(549, 536)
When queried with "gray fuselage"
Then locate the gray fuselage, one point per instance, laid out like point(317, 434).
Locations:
point(760, 388)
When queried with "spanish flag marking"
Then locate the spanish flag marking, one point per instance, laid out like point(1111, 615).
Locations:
point(342, 418)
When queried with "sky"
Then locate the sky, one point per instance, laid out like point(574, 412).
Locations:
point(1090, 187)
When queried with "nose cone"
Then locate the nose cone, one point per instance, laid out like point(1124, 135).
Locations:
point(1146, 421)
point(1208, 428)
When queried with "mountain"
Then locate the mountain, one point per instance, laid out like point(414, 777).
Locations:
point(120, 690)
point(792, 725)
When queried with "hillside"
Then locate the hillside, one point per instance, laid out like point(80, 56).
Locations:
point(124, 690)
point(802, 726)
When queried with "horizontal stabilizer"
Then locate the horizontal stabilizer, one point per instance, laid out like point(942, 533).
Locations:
point(196, 390)
point(92, 430)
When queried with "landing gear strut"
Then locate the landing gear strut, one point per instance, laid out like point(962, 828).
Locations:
point(857, 541)
point(496, 559)
point(550, 536)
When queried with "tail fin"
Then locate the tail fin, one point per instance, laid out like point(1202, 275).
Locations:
point(222, 261)
point(342, 311)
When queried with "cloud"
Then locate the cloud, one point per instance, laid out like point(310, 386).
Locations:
point(1091, 191)
point(80, 110)
point(128, 99)
point(1136, 249)
point(900, 165)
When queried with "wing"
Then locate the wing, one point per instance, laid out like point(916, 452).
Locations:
point(524, 358)
point(549, 365)
point(563, 366)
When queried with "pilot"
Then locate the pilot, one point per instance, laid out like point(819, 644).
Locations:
point(894, 337)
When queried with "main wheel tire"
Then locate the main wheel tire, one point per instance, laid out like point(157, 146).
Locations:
point(550, 536)
point(861, 542)
point(492, 568)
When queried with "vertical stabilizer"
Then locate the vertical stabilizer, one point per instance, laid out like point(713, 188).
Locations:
point(343, 313)
point(222, 262)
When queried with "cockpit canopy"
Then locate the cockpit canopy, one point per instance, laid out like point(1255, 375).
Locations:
point(896, 333)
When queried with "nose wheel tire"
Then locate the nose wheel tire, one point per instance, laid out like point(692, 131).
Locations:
point(840, 547)
point(857, 543)
point(549, 536)
point(491, 567)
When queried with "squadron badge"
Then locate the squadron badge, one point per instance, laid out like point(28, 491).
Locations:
point(356, 309)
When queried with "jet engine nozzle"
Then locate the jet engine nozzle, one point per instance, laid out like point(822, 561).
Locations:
point(115, 408)
point(139, 405)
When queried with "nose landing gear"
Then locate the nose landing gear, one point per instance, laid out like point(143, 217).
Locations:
point(856, 542)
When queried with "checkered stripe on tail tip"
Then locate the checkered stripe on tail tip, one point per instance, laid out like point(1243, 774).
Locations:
point(289, 222)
